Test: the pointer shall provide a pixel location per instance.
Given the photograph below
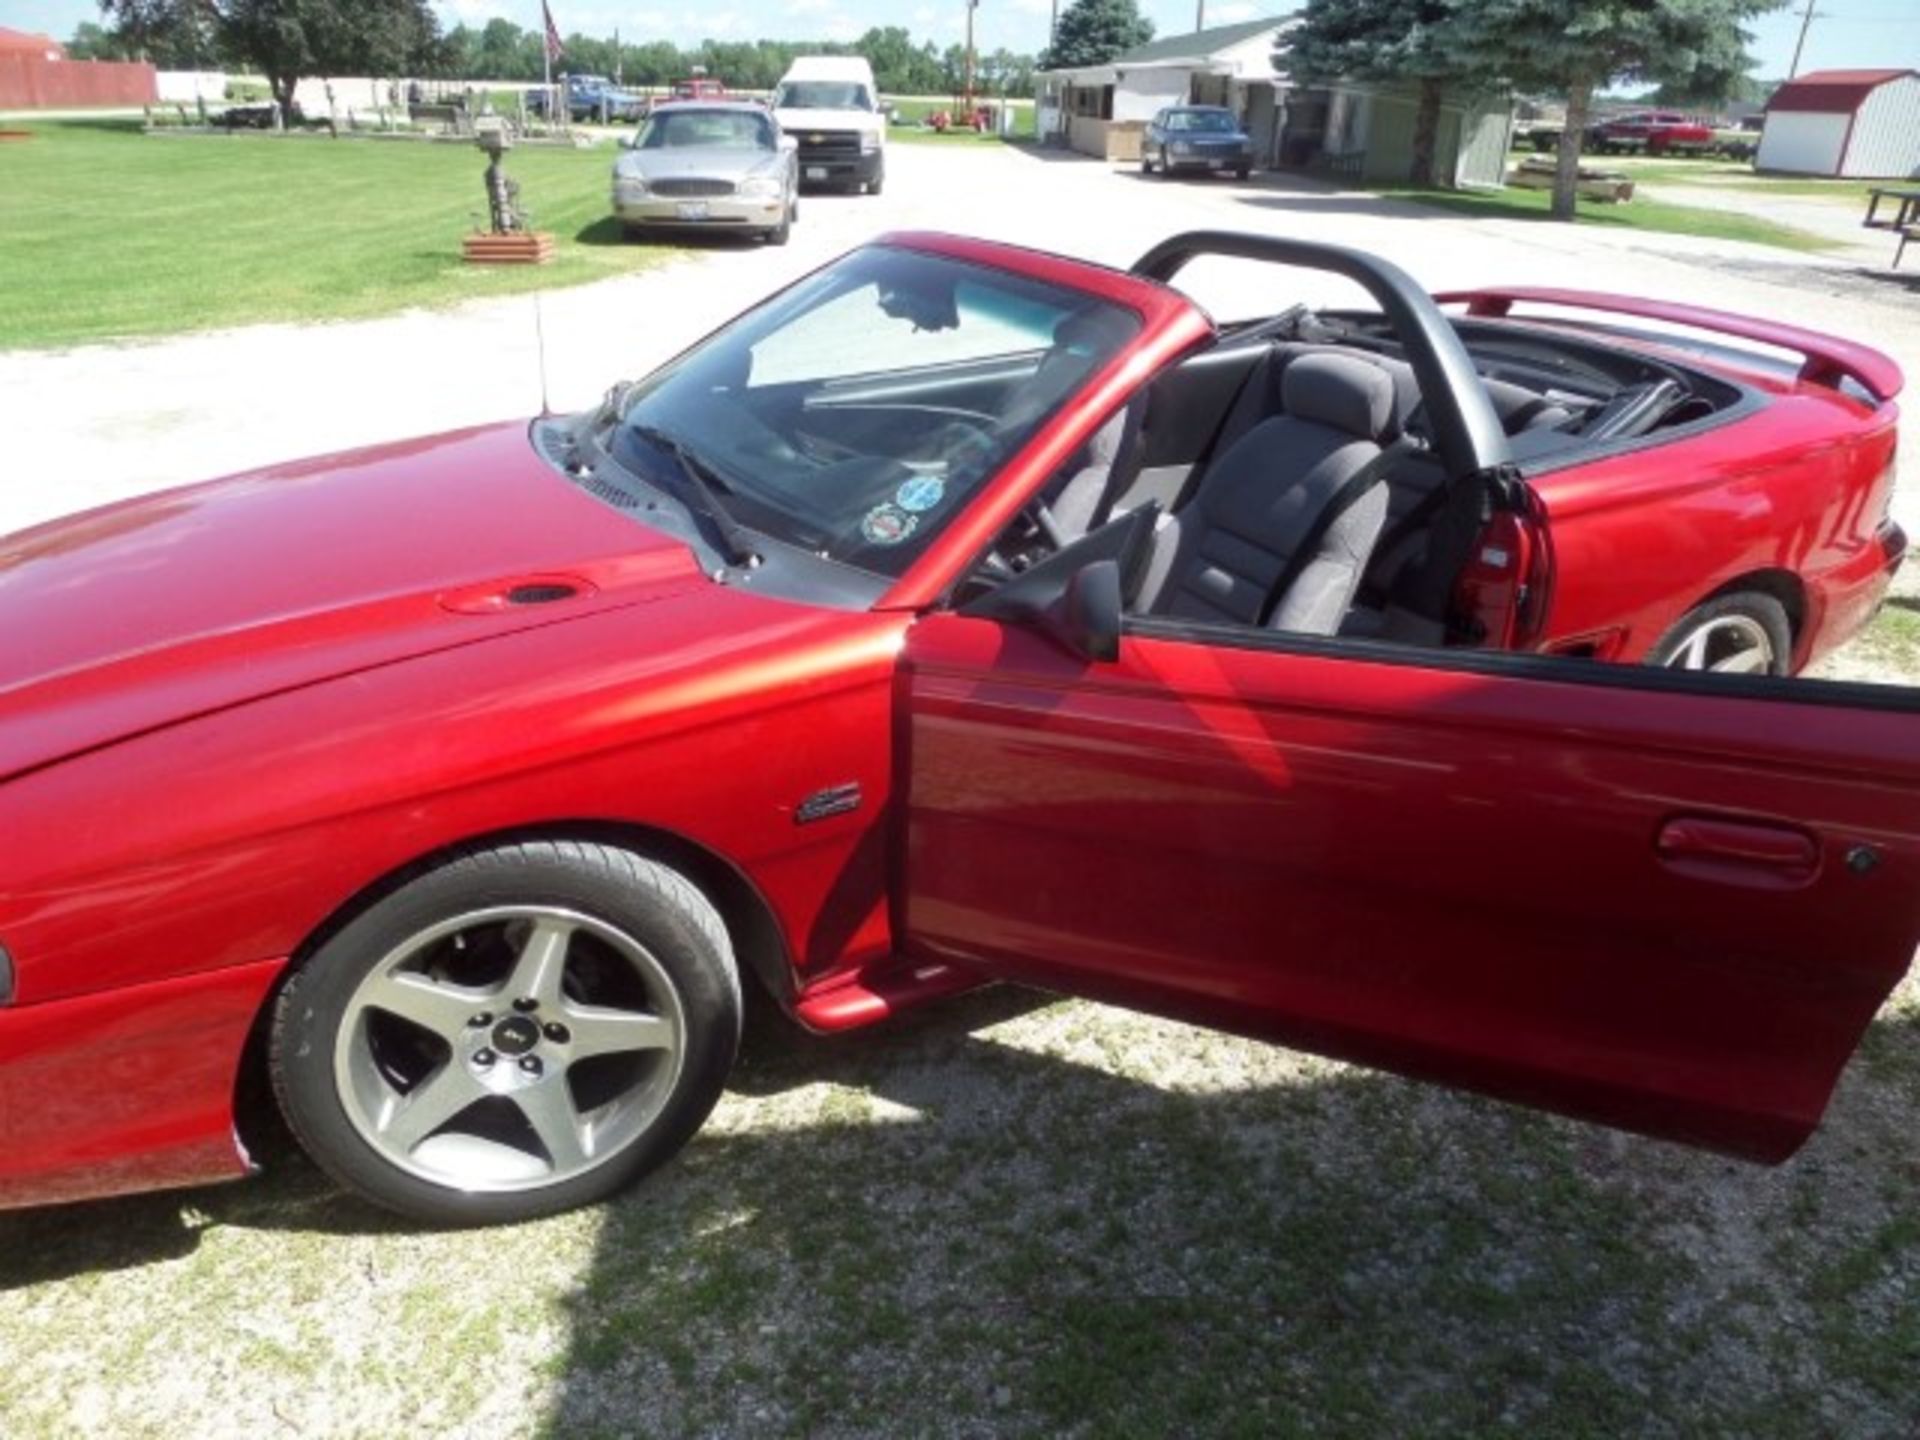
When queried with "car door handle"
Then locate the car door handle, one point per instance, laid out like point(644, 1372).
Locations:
point(1742, 851)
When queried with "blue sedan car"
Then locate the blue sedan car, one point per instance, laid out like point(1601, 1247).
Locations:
point(1195, 137)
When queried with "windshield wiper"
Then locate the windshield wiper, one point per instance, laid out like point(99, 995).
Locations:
point(735, 547)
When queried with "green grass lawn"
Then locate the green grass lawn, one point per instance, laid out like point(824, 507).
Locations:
point(1639, 213)
point(117, 233)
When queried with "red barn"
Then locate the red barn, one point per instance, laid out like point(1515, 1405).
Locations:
point(35, 74)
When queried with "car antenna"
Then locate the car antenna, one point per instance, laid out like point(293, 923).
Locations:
point(540, 350)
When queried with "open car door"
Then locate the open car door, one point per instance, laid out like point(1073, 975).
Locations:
point(1667, 902)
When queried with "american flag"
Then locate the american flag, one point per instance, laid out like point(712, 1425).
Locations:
point(553, 32)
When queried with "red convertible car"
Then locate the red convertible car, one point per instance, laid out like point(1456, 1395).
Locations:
point(964, 613)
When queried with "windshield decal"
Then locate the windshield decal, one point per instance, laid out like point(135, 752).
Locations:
point(920, 494)
point(887, 525)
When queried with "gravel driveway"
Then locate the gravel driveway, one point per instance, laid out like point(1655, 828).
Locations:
point(1014, 1216)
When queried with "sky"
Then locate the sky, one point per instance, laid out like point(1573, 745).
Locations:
point(1845, 33)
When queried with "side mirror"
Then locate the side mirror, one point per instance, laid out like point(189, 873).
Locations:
point(1075, 596)
point(1086, 617)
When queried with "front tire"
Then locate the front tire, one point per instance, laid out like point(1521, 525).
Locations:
point(516, 1032)
point(1745, 633)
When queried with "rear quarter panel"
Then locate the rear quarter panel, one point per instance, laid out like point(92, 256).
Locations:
point(1794, 490)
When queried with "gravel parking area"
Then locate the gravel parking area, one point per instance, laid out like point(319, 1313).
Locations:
point(1011, 1215)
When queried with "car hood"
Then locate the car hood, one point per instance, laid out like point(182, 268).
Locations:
point(129, 618)
point(728, 160)
point(798, 122)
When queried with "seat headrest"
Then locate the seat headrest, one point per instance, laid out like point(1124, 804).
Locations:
point(1338, 391)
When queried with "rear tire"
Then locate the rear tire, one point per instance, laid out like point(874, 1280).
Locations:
point(566, 1013)
point(1744, 633)
point(1146, 163)
point(874, 185)
point(1242, 173)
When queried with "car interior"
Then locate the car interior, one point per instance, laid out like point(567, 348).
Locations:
point(1294, 484)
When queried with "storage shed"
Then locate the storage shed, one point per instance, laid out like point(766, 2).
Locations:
point(1861, 124)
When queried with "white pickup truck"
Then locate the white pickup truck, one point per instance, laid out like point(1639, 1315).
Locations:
point(829, 105)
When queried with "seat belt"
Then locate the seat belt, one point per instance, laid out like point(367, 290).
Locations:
point(1351, 489)
point(1127, 455)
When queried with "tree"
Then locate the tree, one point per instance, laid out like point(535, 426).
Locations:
point(1092, 32)
point(1385, 40)
point(1580, 45)
point(287, 40)
point(90, 42)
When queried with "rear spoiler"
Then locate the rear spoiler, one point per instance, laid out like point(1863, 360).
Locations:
point(1826, 360)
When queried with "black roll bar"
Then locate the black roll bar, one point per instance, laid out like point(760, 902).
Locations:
point(1466, 430)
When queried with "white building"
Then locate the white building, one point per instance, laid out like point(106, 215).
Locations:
point(1102, 109)
point(1357, 131)
point(1862, 124)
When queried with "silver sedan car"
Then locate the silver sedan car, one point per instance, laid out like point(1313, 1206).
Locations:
point(708, 165)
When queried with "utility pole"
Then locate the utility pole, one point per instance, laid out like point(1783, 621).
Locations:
point(1806, 20)
point(1199, 14)
point(972, 5)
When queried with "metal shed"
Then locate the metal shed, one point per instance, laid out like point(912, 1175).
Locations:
point(1861, 124)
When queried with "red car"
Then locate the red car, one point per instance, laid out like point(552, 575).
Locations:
point(964, 613)
point(1655, 132)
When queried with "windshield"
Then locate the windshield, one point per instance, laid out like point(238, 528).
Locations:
point(675, 129)
point(856, 414)
point(822, 95)
point(1203, 122)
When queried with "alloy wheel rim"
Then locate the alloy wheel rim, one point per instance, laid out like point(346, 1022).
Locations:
point(1728, 645)
point(510, 1048)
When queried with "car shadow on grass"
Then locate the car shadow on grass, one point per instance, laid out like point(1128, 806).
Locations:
point(1016, 1215)
point(1028, 1217)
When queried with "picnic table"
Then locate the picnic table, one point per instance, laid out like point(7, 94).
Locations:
point(1905, 220)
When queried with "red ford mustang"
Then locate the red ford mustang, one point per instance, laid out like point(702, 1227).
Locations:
point(965, 613)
